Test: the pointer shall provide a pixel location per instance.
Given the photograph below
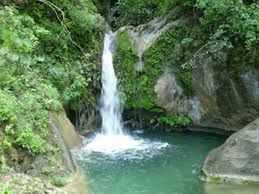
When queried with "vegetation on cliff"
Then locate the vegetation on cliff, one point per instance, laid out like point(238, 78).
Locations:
point(206, 29)
point(49, 57)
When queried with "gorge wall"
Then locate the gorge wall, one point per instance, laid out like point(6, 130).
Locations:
point(168, 79)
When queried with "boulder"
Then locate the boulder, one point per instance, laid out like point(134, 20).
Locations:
point(237, 160)
point(66, 128)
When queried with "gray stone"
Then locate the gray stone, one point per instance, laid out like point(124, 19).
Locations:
point(170, 95)
point(220, 100)
point(237, 160)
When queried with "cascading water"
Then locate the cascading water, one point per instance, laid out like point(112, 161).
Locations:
point(112, 138)
point(110, 109)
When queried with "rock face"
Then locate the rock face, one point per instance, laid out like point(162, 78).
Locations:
point(66, 128)
point(65, 136)
point(237, 159)
point(223, 102)
point(220, 99)
point(170, 95)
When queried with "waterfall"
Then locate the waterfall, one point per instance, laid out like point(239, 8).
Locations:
point(112, 138)
point(110, 101)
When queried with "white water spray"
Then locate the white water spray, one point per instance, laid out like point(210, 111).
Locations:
point(112, 138)
point(110, 101)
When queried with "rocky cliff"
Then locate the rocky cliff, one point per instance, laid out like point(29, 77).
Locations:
point(162, 72)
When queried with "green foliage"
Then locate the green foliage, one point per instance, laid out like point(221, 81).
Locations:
point(6, 189)
point(46, 170)
point(174, 121)
point(232, 26)
point(231, 18)
point(3, 165)
point(136, 12)
point(58, 181)
point(7, 145)
point(67, 51)
point(31, 141)
point(37, 52)
point(134, 83)
point(125, 59)
point(138, 86)
point(31, 109)
point(170, 51)
point(216, 29)
point(8, 107)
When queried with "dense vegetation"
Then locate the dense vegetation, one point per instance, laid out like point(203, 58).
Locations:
point(49, 58)
point(136, 12)
point(226, 31)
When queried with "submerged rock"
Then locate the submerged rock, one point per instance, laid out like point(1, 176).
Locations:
point(237, 160)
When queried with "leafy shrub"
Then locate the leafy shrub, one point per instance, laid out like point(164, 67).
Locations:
point(174, 121)
point(3, 165)
point(24, 93)
point(58, 181)
point(231, 18)
point(6, 189)
point(8, 107)
point(31, 141)
point(136, 12)
point(7, 145)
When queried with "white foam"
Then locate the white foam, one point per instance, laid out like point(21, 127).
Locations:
point(113, 144)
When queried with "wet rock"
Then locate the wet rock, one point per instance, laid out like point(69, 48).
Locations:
point(66, 128)
point(237, 160)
